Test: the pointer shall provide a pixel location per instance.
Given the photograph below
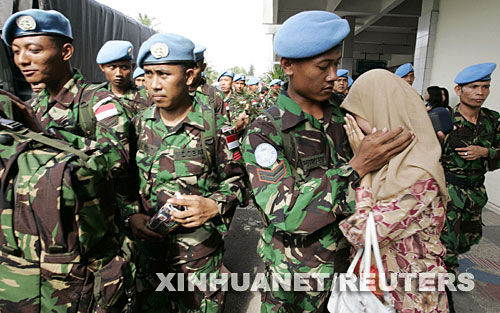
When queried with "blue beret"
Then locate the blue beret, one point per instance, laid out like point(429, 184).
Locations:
point(203, 75)
point(226, 73)
point(115, 50)
point(404, 70)
point(238, 77)
point(35, 22)
point(275, 81)
point(137, 72)
point(309, 33)
point(198, 52)
point(342, 73)
point(252, 81)
point(165, 49)
point(349, 81)
point(474, 73)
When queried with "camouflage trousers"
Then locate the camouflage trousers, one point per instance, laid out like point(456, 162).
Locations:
point(150, 300)
point(463, 227)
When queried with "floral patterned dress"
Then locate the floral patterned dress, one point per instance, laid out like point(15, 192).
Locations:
point(408, 231)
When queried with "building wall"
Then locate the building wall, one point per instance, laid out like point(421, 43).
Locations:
point(467, 33)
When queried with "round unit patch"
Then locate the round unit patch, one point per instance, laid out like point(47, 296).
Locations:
point(159, 50)
point(26, 22)
point(265, 155)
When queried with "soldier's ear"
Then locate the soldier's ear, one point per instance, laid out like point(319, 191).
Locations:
point(458, 90)
point(287, 66)
point(101, 66)
point(189, 76)
point(67, 51)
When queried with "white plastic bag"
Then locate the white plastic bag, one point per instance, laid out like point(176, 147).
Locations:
point(362, 301)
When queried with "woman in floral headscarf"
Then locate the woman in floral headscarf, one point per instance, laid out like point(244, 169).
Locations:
point(407, 195)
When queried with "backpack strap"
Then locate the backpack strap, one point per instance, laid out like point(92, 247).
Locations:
point(57, 144)
point(289, 144)
point(86, 115)
point(208, 137)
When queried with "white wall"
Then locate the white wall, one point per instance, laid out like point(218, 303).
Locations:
point(467, 33)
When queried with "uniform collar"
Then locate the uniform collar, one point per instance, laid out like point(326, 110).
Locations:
point(67, 94)
point(293, 114)
point(194, 117)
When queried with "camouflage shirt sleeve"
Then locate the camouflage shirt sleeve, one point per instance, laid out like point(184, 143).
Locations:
point(300, 207)
point(494, 147)
point(230, 169)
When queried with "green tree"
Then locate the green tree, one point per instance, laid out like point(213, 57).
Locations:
point(251, 71)
point(211, 75)
point(275, 72)
point(148, 21)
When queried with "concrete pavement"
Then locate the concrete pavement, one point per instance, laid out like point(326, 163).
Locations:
point(483, 261)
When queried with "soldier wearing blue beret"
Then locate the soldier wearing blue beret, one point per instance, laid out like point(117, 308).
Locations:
point(138, 77)
point(115, 59)
point(406, 72)
point(469, 151)
point(239, 83)
point(340, 85)
point(225, 80)
point(187, 158)
point(200, 87)
point(87, 117)
point(253, 84)
point(299, 162)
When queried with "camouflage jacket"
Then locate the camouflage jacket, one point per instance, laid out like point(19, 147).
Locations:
point(486, 133)
point(304, 195)
point(134, 100)
point(203, 93)
point(61, 117)
point(173, 159)
point(58, 244)
point(272, 98)
point(6, 107)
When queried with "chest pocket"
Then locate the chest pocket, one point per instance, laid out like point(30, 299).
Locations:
point(190, 162)
point(148, 152)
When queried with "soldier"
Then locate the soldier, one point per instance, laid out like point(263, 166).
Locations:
point(115, 61)
point(138, 77)
point(406, 72)
point(59, 245)
point(199, 87)
point(272, 97)
point(340, 85)
point(183, 146)
point(70, 108)
point(253, 85)
point(469, 151)
point(297, 156)
point(238, 117)
point(225, 81)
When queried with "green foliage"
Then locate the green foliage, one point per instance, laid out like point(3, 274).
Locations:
point(275, 72)
point(148, 21)
point(211, 75)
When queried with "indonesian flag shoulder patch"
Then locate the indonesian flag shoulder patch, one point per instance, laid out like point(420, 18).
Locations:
point(104, 109)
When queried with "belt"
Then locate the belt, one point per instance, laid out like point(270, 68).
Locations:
point(463, 182)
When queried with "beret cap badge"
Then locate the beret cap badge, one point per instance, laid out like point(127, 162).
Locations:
point(159, 50)
point(26, 22)
point(129, 51)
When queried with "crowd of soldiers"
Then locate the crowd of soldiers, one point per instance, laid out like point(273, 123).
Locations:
point(86, 167)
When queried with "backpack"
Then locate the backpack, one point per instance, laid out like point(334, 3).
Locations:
point(59, 247)
point(86, 114)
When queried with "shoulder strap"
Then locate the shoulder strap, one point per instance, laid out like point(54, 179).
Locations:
point(60, 145)
point(289, 143)
point(208, 136)
point(211, 97)
point(86, 116)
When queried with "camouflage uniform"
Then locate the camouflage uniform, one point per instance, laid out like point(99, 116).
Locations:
point(271, 99)
point(303, 196)
point(6, 107)
point(465, 181)
point(204, 92)
point(58, 243)
point(134, 100)
point(179, 158)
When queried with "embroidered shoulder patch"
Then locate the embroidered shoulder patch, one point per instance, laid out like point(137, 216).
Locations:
point(273, 175)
